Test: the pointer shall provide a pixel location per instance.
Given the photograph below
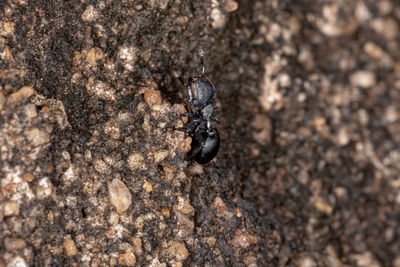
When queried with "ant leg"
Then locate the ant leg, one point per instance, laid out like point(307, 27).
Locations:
point(190, 115)
point(201, 52)
point(189, 129)
point(190, 94)
point(181, 80)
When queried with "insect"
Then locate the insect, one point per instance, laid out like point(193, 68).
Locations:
point(205, 138)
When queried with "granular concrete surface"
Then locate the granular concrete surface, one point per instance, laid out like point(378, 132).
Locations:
point(93, 171)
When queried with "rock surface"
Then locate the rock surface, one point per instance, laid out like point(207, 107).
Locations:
point(93, 172)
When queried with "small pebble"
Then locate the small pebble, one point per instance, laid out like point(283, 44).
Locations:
point(20, 95)
point(218, 18)
point(128, 56)
point(396, 262)
point(306, 262)
point(94, 55)
point(166, 213)
point(6, 54)
point(176, 250)
point(101, 167)
point(152, 98)
point(137, 245)
point(70, 247)
point(342, 137)
point(135, 161)
point(263, 132)
point(45, 188)
point(70, 175)
point(184, 207)
point(28, 177)
point(10, 208)
point(211, 241)
point(387, 27)
point(366, 259)
point(185, 145)
point(127, 259)
point(90, 14)
point(182, 20)
point(148, 187)
point(111, 129)
point(17, 261)
point(160, 155)
point(219, 205)
point(184, 226)
point(373, 50)
point(2, 100)
point(13, 244)
point(113, 219)
point(331, 257)
point(169, 173)
point(363, 79)
point(7, 28)
point(196, 169)
point(243, 240)
point(36, 136)
point(138, 7)
point(30, 111)
point(323, 206)
point(120, 196)
point(230, 5)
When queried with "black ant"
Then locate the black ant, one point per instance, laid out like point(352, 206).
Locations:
point(205, 138)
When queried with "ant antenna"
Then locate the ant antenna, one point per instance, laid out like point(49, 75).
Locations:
point(201, 52)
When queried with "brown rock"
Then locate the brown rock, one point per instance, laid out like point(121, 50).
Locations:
point(176, 250)
point(20, 95)
point(137, 245)
point(148, 187)
point(17, 261)
point(243, 240)
point(160, 155)
point(120, 196)
point(185, 145)
point(10, 208)
point(111, 129)
point(37, 137)
point(70, 248)
point(323, 206)
point(184, 207)
point(90, 14)
point(28, 177)
point(363, 79)
point(166, 213)
point(101, 167)
point(7, 28)
point(6, 54)
point(263, 127)
point(230, 5)
point(13, 244)
point(219, 205)
point(2, 100)
point(135, 161)
point(152, 98)
point(127, 259)
point(211, 241)
point(94, 55)
point(184, 227)
point(196, 169)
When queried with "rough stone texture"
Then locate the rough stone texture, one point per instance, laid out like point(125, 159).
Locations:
point(308, 97)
